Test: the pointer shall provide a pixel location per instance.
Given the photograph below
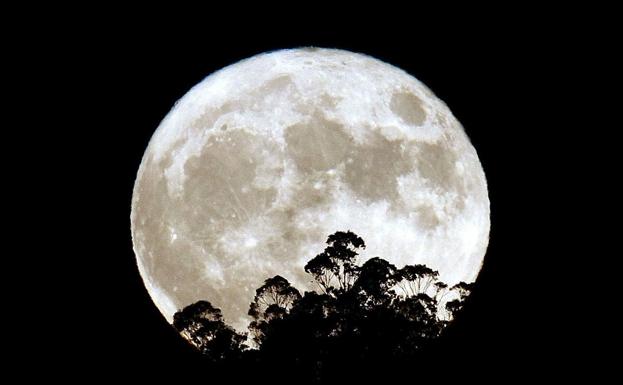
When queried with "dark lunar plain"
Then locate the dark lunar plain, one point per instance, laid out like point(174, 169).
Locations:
point(117, 79)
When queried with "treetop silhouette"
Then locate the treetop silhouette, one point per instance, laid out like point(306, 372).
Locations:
point(336, 264)
point(272, 301)
point(358, 313)
point(202, 325)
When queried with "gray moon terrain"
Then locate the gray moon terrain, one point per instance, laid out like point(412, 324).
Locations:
point(257, 164)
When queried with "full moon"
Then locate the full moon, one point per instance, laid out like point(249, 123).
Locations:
point(257, 164)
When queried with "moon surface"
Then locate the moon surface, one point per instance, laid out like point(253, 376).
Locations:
point(257, 164)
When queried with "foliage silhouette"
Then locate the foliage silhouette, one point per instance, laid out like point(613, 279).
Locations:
point(272, 301)
point(361, 315)
point(203, 325)
point(336, 264)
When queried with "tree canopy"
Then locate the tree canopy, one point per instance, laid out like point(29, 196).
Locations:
point(360, 313)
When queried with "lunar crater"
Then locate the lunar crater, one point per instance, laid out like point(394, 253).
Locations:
point(408, 107)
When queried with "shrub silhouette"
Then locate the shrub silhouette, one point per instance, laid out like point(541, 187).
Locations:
point(361, 314)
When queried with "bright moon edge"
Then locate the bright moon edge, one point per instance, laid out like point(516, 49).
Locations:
point(290, 112)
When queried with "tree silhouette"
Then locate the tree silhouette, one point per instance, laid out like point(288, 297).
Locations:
point(416, 279)
point(272, 301)
point(362, 315)
point(334, 269)
point(376, 279)
point(462, 290)
point(202, 325)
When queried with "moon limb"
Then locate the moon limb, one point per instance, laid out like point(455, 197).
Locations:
point(258, 163)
